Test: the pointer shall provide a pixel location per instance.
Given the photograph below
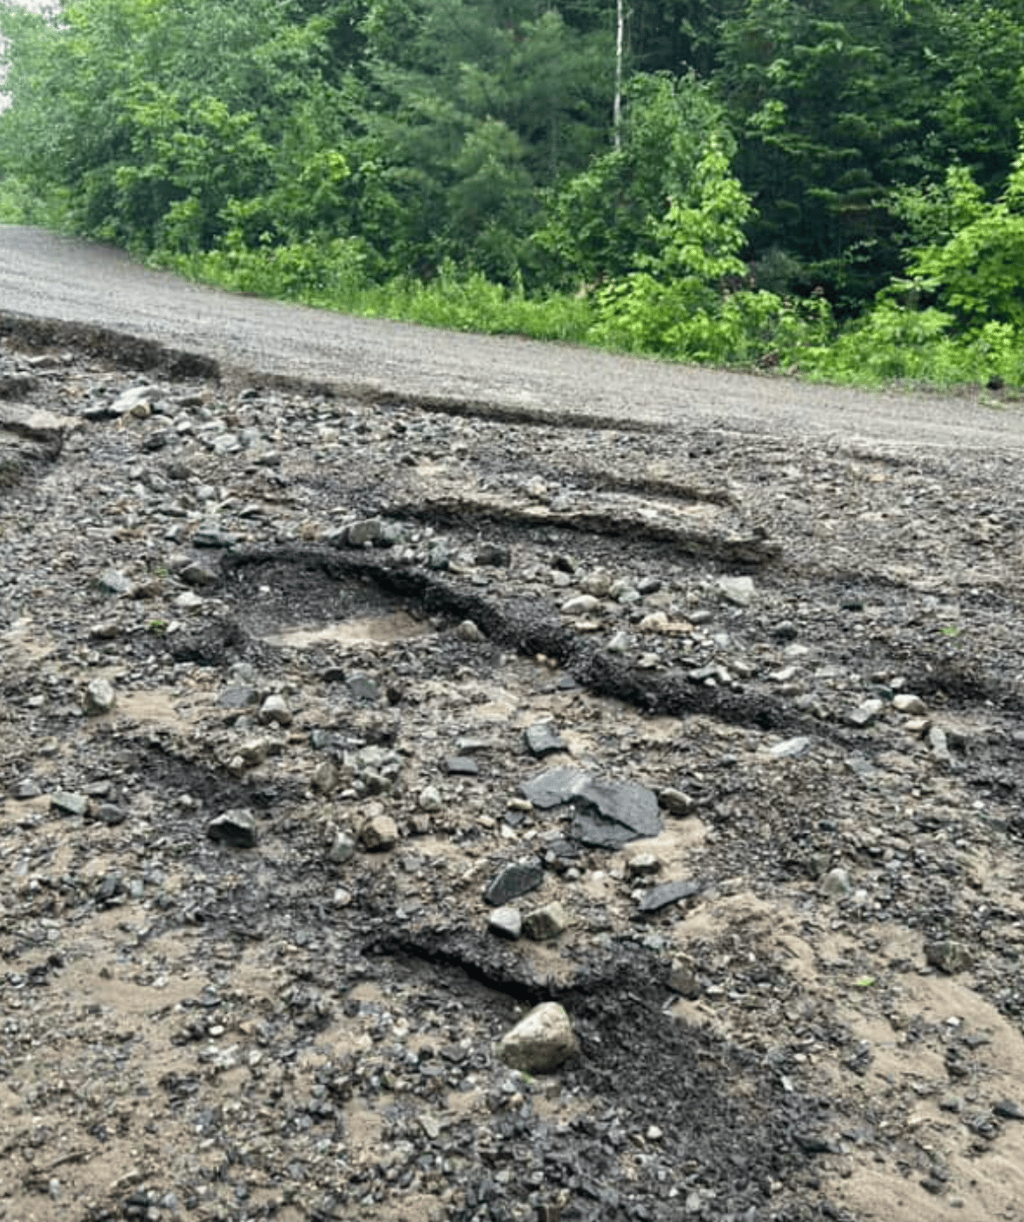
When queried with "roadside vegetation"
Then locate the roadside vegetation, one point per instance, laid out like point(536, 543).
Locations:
point(834, 190)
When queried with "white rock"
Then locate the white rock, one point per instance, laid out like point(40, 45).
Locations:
point(738, 590)
point(541, 1041)
point(580, 604)
point(906, 702)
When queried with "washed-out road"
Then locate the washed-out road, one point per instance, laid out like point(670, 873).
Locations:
point(43, 275)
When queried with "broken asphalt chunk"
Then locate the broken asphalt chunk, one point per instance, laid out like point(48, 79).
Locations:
point(607, 814)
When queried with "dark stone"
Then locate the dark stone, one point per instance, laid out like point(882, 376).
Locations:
point(211, 536)
point(513, 881)
point(494, 555)
point(669, 893)
point(110, 814)
point(948, 956)
point(1006, 1109)
point(554, 787)
point(234, 827)
point(543, 739)
point(611, 814)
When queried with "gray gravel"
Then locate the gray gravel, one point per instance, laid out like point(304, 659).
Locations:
point(46, 276)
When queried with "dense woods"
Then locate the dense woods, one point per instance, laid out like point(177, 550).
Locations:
point(835, 186)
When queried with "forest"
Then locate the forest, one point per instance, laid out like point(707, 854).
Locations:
point(832, 188)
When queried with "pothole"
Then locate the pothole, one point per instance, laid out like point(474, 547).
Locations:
point(360, 630)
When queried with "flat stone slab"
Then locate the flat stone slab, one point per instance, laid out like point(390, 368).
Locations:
point(670, 893)
point(555, 786)
point(607, 814)
point(543, 739)
point(610, 814)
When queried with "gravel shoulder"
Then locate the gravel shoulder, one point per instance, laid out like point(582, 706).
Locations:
point(291, 684)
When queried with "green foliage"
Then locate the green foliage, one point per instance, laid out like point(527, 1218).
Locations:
point(452, 161)
point(604, 221)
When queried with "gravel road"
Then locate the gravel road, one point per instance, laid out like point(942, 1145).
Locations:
point(46, 276)
point(338, 732)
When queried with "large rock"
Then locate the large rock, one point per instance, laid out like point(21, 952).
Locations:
point(540, 1042)
point(610, 814)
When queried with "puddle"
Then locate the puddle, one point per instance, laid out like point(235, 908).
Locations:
point(368, 630)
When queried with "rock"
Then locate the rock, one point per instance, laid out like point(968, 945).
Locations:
point(213, 536)
point(642, 864)
point(1007, 1109)
point(670, 893)
point(238, 696)
point(506, 922)
point(469, 631)
point(197, 575)
point(865, 713)
point(65, 803)
point(939, 744)
point(343, 848)
point(275, 711)
point(429, 798)
point(379, 833)
point(737, 590)
point(676, 802)
point(543, 739)
point(113, 581)
point(364, 688)
point(581, 604)
point(367, 531)
point(100, 697)
point(547, 923)
point(253, 751)
point(554, 787)
point(610, 814)
point(657, 621)
point(461, 765)
point(234, 827)
point(597, 583)
point(948, 956)
point(129, 401)
point(786, 750)
point(493, 555)
point(836, 884)
point(905, 702)
point(514, 880)
point(110, 814)
point(683, 980)
point(540, 1042)
point(325, 777)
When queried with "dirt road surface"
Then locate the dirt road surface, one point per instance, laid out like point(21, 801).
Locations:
point(46, 276)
